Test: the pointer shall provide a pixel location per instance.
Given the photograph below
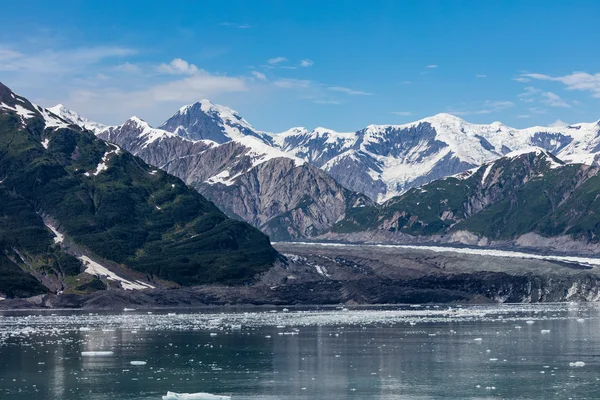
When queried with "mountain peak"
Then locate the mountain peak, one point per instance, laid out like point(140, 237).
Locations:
point(207, 120)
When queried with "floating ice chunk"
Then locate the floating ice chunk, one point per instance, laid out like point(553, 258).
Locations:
point(194, 396)
point(580, 320)
point(138, 363)
point(544, 331)
point(97, 353)
point(578, 364)
point(478, 339)
point(530, 322)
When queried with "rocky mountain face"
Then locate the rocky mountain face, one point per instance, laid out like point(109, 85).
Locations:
point(282, 195)
point(80, 214)
point(523, 193)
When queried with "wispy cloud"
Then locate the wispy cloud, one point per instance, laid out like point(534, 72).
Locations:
point(481, 76)
point(128, 67)
point(524, 116)
point(259, 75)
point(581, 81)
point(537, 110)
point(236, 25)
point(63, 61)
point(488, 107)
point(178, 67)
point(306, 63)
point(348, 91)
point(521, 79)
point(402, 113)
point(554, 100)
point(431, 66)
point(276, 60)
point(293, 83)
point(532, 94)
point(333, 102)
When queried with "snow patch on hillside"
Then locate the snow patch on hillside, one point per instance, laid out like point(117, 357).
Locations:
point(95, 269)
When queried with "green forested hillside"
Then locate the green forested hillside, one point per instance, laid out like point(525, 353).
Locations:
point(111, 204)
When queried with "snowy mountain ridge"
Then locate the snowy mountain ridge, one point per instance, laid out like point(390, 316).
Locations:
point(384, 161)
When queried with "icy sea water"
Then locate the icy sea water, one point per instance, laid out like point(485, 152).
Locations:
point(484, 352)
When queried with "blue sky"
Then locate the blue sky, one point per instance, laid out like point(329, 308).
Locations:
point(338, 64)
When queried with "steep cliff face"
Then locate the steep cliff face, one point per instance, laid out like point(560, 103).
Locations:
point(285, 200)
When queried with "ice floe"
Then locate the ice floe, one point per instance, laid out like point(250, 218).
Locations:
point(194, 396)
point(97, 353)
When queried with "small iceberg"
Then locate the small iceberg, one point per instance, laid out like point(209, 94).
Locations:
point(97, 353)
point(577, 364)
point(194, 396)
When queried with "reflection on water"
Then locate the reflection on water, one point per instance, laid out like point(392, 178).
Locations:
point(516, 352)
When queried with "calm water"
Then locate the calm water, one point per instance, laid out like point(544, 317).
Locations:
point(511, 352)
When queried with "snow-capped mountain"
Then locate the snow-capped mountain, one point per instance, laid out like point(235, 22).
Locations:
point(246, 178)
point(205, 120)
point(383, 161)
point(74, 118)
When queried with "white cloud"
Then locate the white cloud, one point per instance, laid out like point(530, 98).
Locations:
point(431, 66)
point(348, 91)
point(259, 75)
point(115, 104)
point(521, 79)
point(178, 67)
point(306, 63)
point(559, 124)
point(276, 60)
point(403, 113)
point(481, 76)
point(581, 81)
point(524, 116)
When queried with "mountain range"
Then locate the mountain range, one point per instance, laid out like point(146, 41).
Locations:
point(86, 207)
point(300, 183)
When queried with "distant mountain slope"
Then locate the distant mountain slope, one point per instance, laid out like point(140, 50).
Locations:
point(524, 192)
point(73, 202)
point(274, 191)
